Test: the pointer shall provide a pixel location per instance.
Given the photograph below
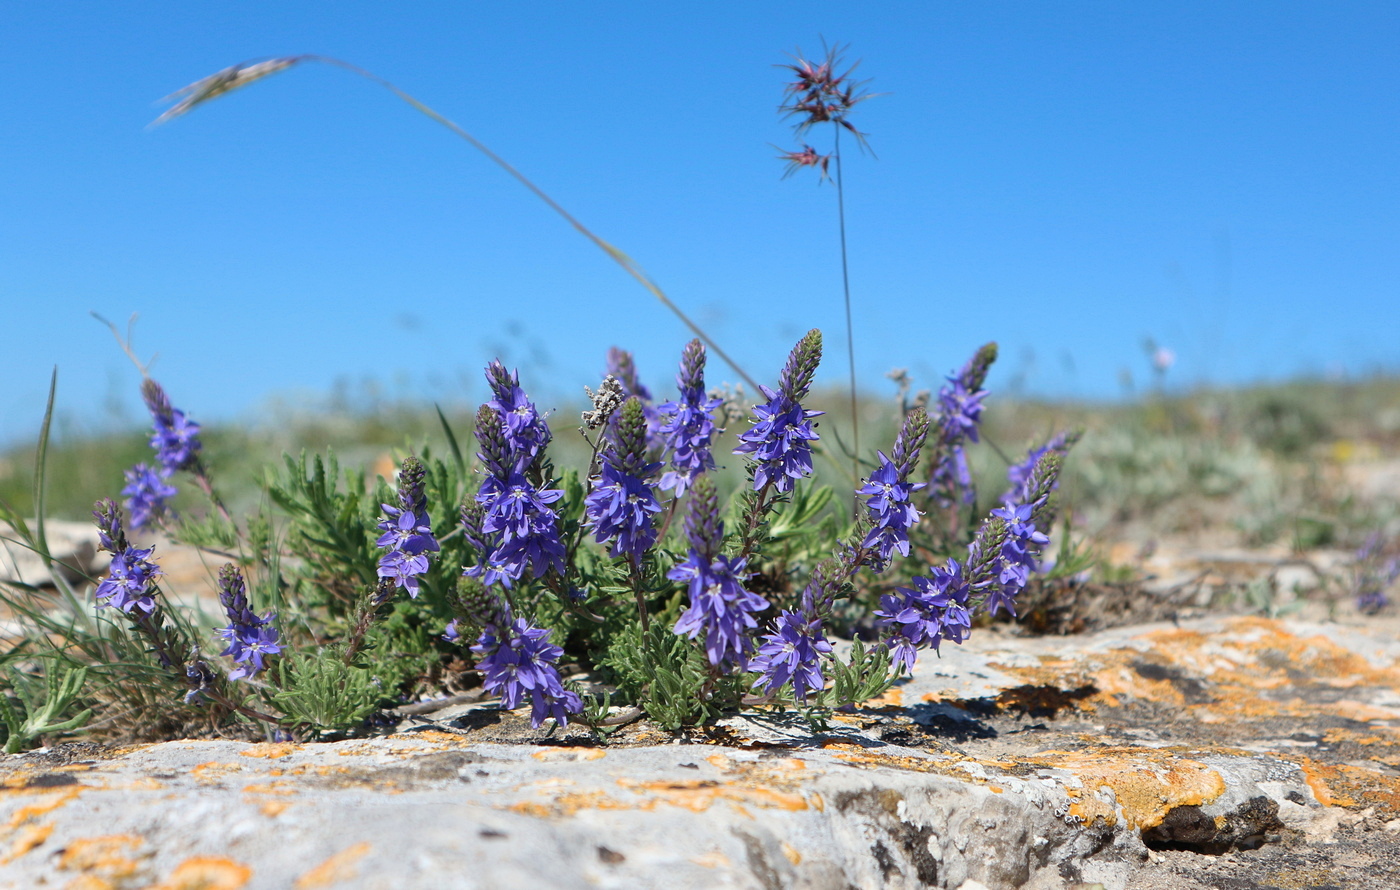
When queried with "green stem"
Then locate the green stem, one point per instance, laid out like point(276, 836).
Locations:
point(850, 329)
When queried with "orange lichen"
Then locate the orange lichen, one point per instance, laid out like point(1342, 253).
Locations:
point(1345, 785)
point(26, 839)
point(206, 873)
point(270, 750)
point(698, 795)
point(339, 867)
point(213, 771)
point(105, 857)
point(554, 755)
point(1146, 784)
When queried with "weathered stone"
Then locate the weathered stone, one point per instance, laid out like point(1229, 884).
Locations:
point(1222, 753)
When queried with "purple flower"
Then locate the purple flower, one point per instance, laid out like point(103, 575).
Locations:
point(1019, 475)
point(720, 608)
point(517, 661)
point(513, 527)
point(250, 638)
point(130, 582)
point(526, 431)
point(408, 533)
point(619, 511)
point(891, 513)
point(1018, 557)
point(146, 495)
point(176, 437)
point(778, 442)
point(687, 425)
point(922, 616)
point(450, 633)
point(792, 653)
point(960, 412)
point(620, 507)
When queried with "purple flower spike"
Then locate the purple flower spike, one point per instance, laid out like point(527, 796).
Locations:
point(720, 608)
point(891, 513)
point(108, 517)
point(620, 507)
point(687, 424)
point(517, 662)
point(512, 526)
point(408, 534)
point(792, 653)
point(250, 638)
point(525, 428)
point(778, 443)
point(176, 437)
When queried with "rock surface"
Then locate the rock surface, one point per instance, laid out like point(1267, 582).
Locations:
point(1233, 753)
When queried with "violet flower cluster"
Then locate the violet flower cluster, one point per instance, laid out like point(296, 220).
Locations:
point(176, 442)
point(960, 413)
point(1374, 574)
point(720, 610)
point(920, 617)
point(620, 507)
point(251, 638)
point(408, 533)
point(517, 662)
point(130, 584)
point(512, 525)
point(687, 424)
point(792, 653)
point(779, 442)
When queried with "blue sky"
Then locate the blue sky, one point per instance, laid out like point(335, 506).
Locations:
point(1065, 178)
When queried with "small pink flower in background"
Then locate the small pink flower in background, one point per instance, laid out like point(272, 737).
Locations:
point(1162, 359)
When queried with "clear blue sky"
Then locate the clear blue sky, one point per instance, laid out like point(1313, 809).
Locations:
point(1065, 178)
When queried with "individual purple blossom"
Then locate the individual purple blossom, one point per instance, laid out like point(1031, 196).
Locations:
point(407, 531)
point(176, 437)
point(450, 633)
point(130, 582)
point(146, 495)
point(792, 652)
point(922, 616)
point(779, 442)
point(891, 513)
point(250, 638)
point(720, 608)
point(525, 428)
point(687, 424)
point(517, 661)
point(620, 507)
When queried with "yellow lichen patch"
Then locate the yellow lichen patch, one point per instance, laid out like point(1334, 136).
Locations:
point(30, 812)
point(792, 853)
point(1147, 784)
point(556, 755)
point(108, 857)
point(213, 771)
point(270, 750)
point(27, 838)
point(1344, 785)
point(270, 788)
point(432, 735)
point(273, 808)
point(698, 795)
point(206, 873)
point(531, 808)
point(571, 802)
point(339, 867)
point(718, 761)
